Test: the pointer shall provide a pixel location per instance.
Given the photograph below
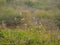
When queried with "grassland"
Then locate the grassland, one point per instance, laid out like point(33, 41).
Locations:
point(29, 22)
point(29, 37)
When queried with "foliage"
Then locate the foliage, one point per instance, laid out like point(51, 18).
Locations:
point(21, 37)
point(10, 18)
point(57, 18)
point(44, 14)
point(19, 12)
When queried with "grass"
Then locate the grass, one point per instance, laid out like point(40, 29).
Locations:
point(29, 37)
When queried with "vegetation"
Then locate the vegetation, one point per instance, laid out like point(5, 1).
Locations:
point(29, 22)
point(27, 37)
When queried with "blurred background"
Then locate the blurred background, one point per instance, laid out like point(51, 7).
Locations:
point(40, 18)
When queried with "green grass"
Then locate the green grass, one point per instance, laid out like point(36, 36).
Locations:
point(29, 37)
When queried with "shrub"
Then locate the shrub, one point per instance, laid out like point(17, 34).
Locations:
point(57, 18)
point(43, 14)
point(29, 3)
point(10, 18)
point(1, 34)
